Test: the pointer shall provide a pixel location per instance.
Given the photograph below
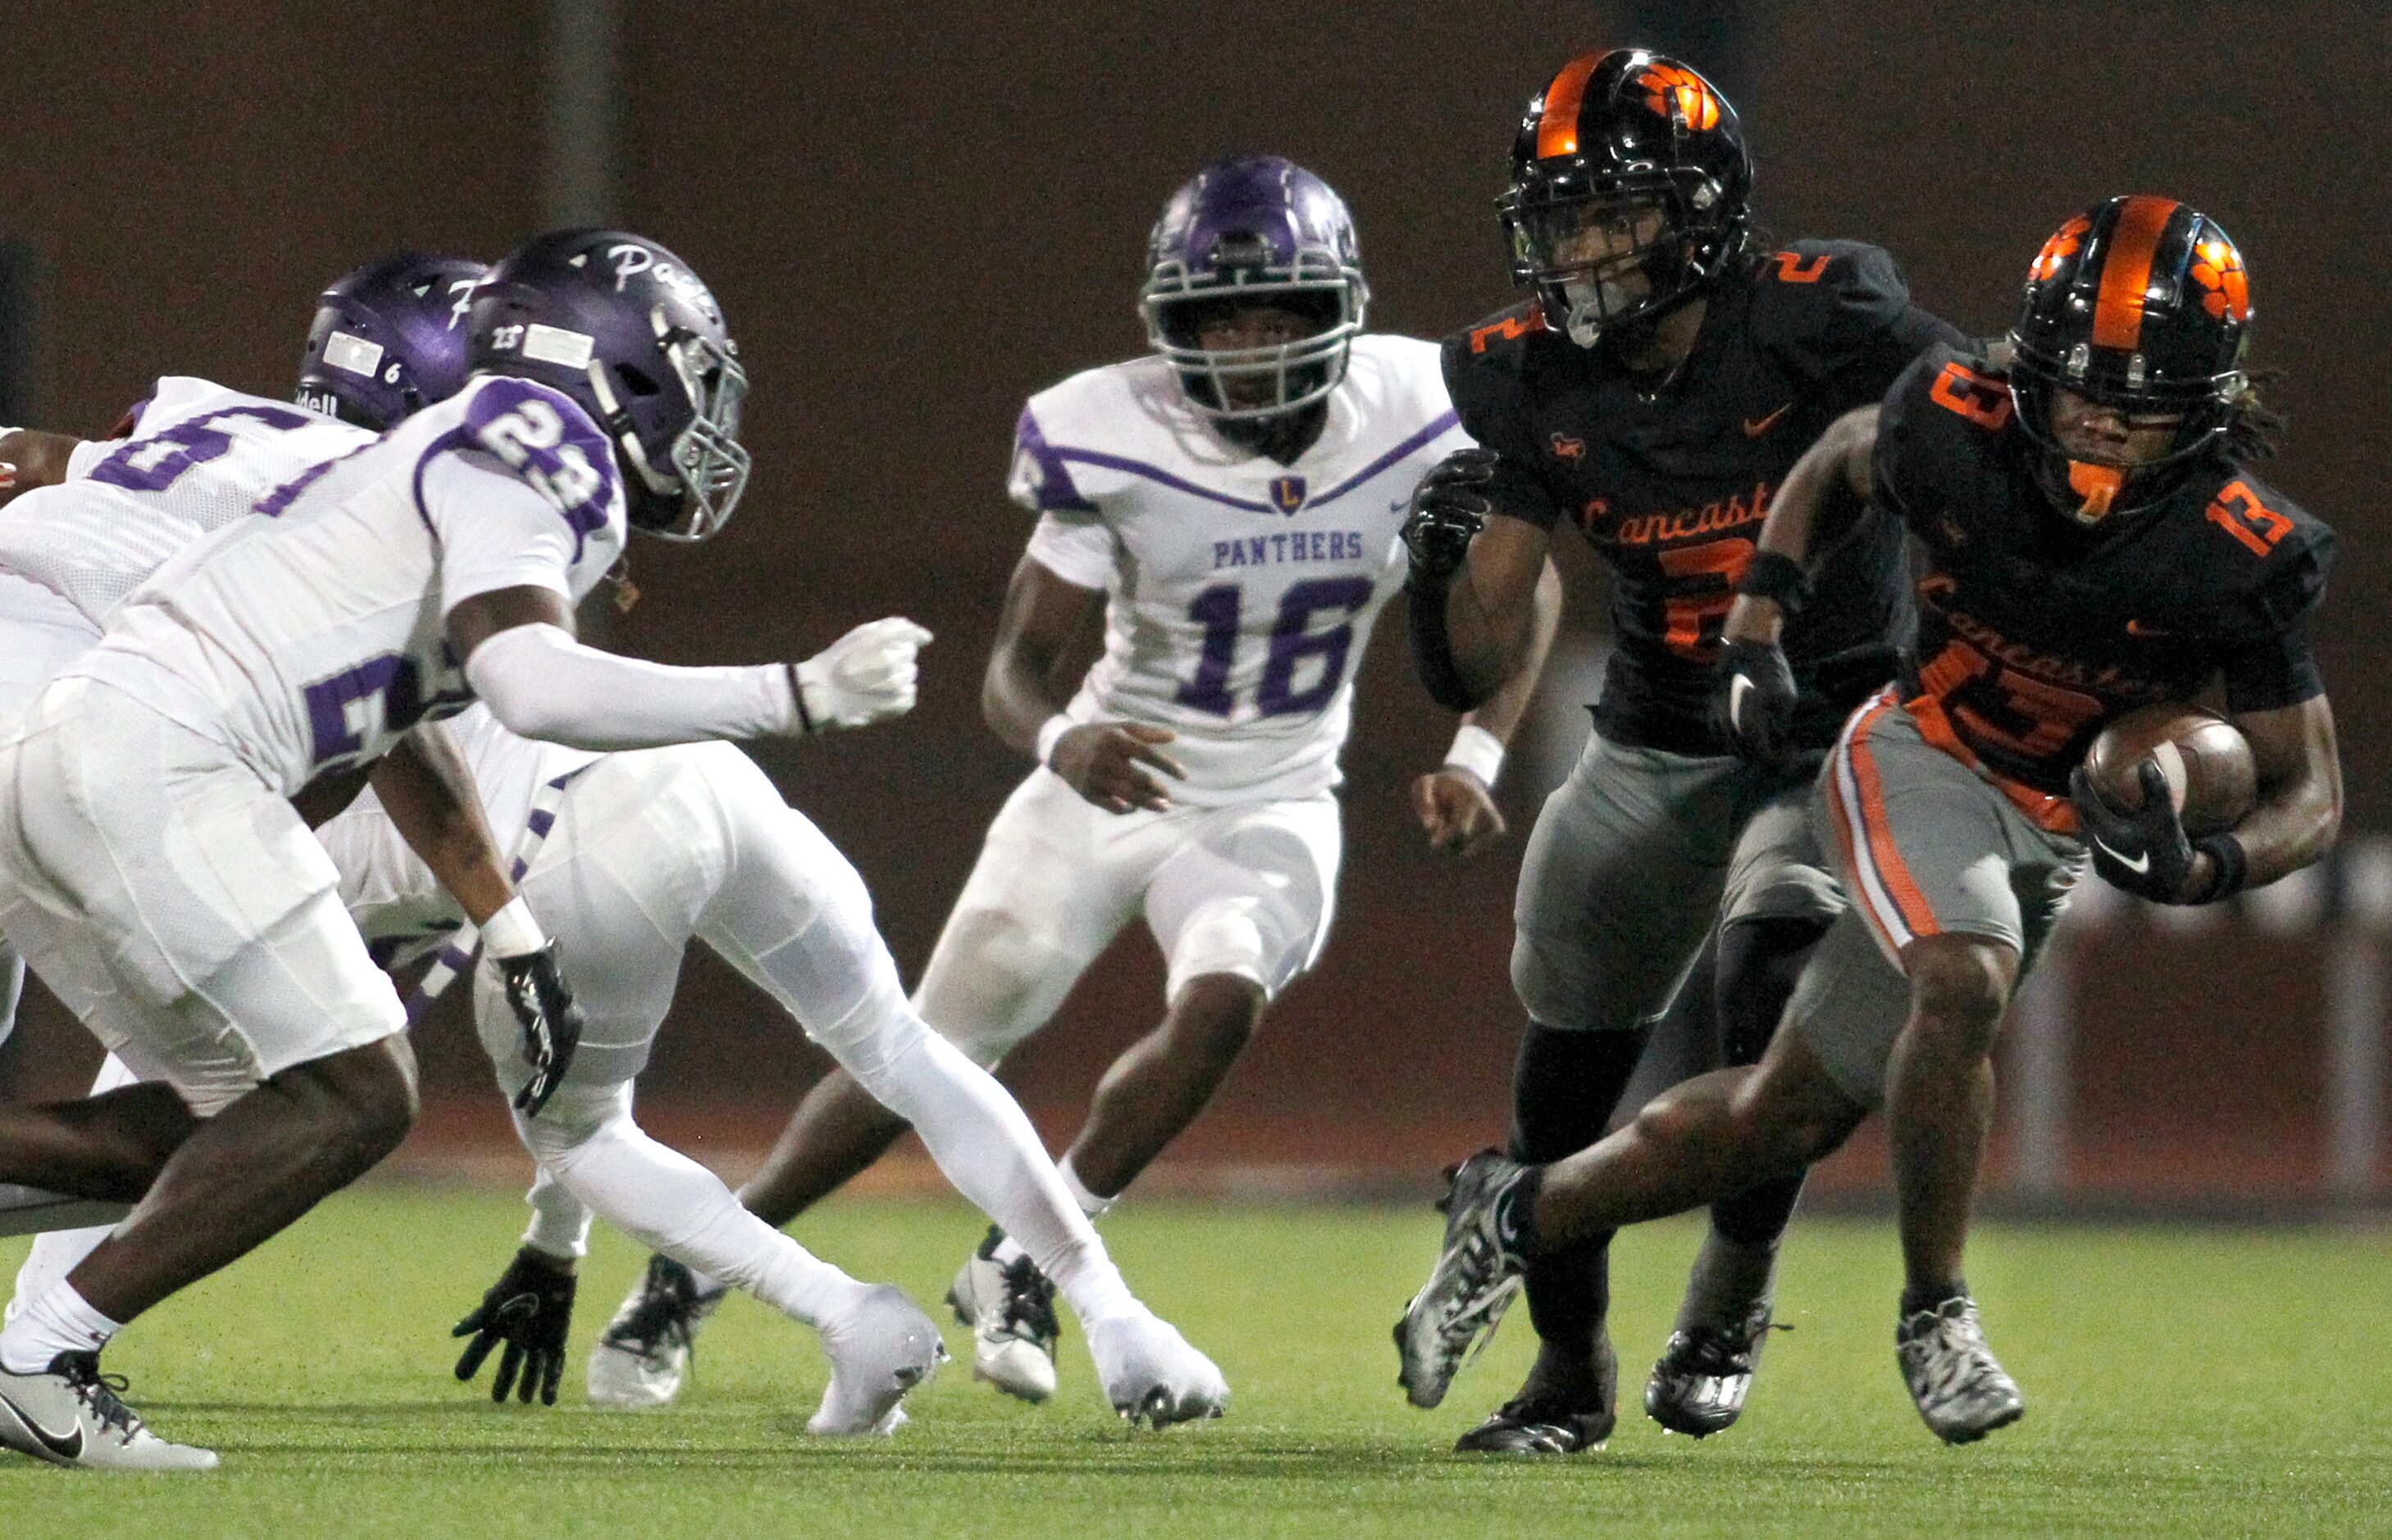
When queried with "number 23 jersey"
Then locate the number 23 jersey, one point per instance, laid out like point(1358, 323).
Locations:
point(1240, 592)
point(311, 638)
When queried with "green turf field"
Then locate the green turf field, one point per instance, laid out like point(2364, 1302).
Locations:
point(2178, 1381)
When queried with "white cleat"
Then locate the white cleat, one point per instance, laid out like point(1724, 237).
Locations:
point(1010, 1308)
point(879, 1349)
point(643, 1356)
point(68, 1414)
point(1150, 1373)
point(1959, 1387)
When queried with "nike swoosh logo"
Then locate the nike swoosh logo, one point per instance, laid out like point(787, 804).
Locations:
point(2139, 866)
point(1399, 505)
point(57, 1444)
point(1755, 426)
point(1737, 689)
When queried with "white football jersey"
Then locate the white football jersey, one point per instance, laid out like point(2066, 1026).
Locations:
point(311, 639)
point(1240, 592)
point(199, 456)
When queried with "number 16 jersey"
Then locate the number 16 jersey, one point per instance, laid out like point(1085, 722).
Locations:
point(1240, 592)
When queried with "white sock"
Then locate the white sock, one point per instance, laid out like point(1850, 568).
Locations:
point(56, 1253)
point(60, 1321)
point(1090, 1205)
point(671, 1204)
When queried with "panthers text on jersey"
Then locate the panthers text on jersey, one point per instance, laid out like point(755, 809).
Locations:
point(1671, 483)
point(1240, 592)
point(2034, 633)
point(312, 638)
point(198, 457)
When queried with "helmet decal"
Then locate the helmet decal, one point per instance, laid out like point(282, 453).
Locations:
point(1673, 90)
point(2218, 268)
point(2064, 244)
point(385, 342)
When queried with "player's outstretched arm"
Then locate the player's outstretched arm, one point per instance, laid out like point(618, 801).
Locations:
point(428, 795)
point(1456, 802)
point(29, 458)
point(522, 659)
point(1026, 688)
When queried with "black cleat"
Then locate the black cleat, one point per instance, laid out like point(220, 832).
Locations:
point(644, 1355)
point(1699, 1385)
point(1519, 1427)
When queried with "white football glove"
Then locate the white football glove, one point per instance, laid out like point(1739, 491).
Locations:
point(865, 677)
point(1150, 1373)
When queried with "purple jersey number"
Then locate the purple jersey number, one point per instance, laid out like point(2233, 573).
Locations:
point(154, 464)
point(1292, 640)
point(383, 694)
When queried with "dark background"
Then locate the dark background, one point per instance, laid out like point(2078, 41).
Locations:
point(916, 214)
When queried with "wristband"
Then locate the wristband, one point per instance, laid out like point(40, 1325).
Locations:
point(2233, 866)
point(798, 696)
point(1050, 732)
point(1478, 751)
point(1775, 576)
point(512, 931)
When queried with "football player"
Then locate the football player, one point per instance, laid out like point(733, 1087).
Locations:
point(1230, 506)
point(386, 587)
point(2096, 541)
point(1654, 392)
point(615, 849)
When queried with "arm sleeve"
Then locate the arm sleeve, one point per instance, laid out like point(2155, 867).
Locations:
point(1078, 552)
point(542, 683)
point(1493, 407)
point(2277, 668)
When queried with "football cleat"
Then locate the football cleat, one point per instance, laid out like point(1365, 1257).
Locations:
point(1010, 1308)
point(1520, 1426)
point(644, 1355)
point(1476, 1279)
point(1150, 1373)
point(1699, 1385)
point(71, 1415)
point(878, 1350)
point(1954, 1378)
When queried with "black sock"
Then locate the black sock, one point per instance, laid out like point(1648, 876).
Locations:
point(1759, 960)
point(1564, 1088)
point(1915, 1299)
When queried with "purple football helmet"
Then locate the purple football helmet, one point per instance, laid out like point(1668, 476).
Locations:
point(1254, 229)
point(389, 339)
point(628, 331)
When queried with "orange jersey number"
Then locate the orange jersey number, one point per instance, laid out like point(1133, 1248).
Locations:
point(2002, 707)
point(2242, 515)
point(1694, 617)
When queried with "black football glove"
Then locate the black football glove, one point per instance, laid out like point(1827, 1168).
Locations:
point(543, 1004)
point(528, 1309)
point(1752, 703)
point(1448, 508)
point(2144, 852)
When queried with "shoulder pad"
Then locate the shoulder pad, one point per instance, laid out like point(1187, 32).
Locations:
point(1822, 295)
point(1486, 375)
point(1402, 378)
point(1500, 339)
point(546, 439)
point(2285, 552)
point(1069, 435)
point(1946, 409)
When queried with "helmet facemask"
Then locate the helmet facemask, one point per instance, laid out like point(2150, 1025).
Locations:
point(690, 497)
point(1178, 302)
point(2088, 489)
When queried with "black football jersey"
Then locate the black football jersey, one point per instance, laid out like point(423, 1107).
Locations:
point(1671, 487)
point(2032, 632)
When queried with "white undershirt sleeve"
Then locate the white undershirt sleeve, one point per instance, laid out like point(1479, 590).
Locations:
point(1078, 551)
point(542, 683)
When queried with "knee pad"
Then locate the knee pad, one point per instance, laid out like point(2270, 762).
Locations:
point(997, 976)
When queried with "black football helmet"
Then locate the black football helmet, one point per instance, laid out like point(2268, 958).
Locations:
point(629, 332)
point(1616, 135)
point(2141, 303)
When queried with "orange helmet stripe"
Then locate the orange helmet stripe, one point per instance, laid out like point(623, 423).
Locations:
point(1557, 129)
point(2127, 272)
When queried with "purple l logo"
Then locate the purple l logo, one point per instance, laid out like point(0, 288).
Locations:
point(1287, 493)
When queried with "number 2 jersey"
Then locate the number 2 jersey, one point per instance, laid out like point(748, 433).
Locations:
point(1670, 482)
point(2034, 633)
point(1240, 591)
point(312, 638)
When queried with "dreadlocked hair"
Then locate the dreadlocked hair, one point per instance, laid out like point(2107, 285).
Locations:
point(2256, 429)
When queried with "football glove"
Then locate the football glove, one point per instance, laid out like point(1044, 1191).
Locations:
point(544, 1008)
point(1752, 702)
point(2144, 852)
point(528, 1310)
point(865, 677)
point(1448, 508)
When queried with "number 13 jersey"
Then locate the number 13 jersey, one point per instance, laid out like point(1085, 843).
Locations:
point(1240, 592)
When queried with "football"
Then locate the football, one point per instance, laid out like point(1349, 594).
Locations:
point(2207, 762)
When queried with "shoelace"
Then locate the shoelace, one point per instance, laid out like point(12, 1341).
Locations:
point(1717, 1352)
point(1029, 1304)
point(103, 1394)
point(662, 1317)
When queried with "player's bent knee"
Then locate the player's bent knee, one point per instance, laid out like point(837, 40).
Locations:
point(364, 1098)
point(1959, 986)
